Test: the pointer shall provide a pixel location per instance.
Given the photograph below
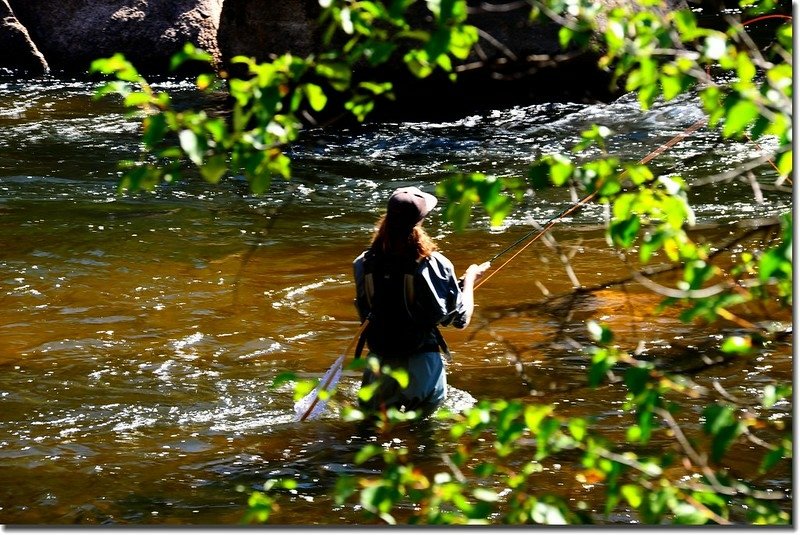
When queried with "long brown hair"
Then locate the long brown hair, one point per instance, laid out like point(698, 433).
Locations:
point(415, 244)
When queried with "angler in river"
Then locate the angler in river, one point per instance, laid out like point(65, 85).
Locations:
point(406, 289)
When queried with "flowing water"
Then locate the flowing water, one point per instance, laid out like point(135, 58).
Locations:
point(139, 335)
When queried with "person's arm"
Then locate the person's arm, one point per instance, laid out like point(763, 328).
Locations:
point(472, 275)
point(361, 299)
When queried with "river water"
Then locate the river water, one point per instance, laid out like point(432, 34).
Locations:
point(140, 334)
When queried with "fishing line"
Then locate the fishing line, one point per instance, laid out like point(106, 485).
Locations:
point(539, 233)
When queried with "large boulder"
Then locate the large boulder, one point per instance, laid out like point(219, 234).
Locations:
point(253, 29)
point(17, 50)
point(72, 33)
point(515, 62)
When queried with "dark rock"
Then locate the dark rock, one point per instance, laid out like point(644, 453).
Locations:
point(250, 29)
point(72, 33)
point(17, 50)
point(515, 62)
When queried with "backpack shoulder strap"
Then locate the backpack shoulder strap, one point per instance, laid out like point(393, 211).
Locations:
point(408, 283)
point(442, 344)
point(360, 345)
point(369, 279)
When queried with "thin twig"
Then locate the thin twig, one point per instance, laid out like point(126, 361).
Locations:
point(248, 255)
point(498, 45)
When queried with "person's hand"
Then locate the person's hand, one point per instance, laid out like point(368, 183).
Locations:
point(476, 271)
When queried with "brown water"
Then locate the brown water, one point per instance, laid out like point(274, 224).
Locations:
point(139, 335)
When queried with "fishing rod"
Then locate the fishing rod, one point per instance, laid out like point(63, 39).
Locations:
point(540, 232)
point(544, 229)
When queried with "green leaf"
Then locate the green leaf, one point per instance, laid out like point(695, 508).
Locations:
point(609, 187)
point(117, 65)
point(774, 393)
point(723, 427)
point(376, 88)
point(214, 169)
point(738, 117)
point(190, 143)
point(344, 488)
point(367, 452)
point(615, 35)
point(379, 53)
point(602, 360)
point(623, 233)
point(154, 127)
point(686, 24)
point(283, 378)
point(634, 434)
point(303, 387)
point(785, 163)
point(599, 333)
point(723, 440)
point(418, 63)
point(485, 469)
point(438, 43)
point(485, 495)
point(671, 86)
point(534, 414)
point(771, 458)
point(560, 171)
point(637, 378)
point(338, 74)
point(136, 99)
point(633, 494)
point(577, 428)
point(639, 174)
point(539, 175)
point(281, 164)
point(650, 244)
point(218, 130)
point(366, 392)
point(462, 39)
point(745, 70)
point(189, 53)
point(316, 96)
point(115, 87)
point(401, 376)
point(737, 344)
point(565, 35)
point(205, 81)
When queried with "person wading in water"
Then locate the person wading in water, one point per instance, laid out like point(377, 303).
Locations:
point(406, 289)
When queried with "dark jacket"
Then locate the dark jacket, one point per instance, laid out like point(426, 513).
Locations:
point(437, 294)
